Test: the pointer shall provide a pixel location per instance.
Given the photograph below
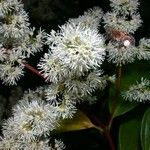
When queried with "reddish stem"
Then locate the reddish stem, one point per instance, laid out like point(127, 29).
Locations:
point(32, 69)
point(102, 128)
point(109, 139)
point(106, 133)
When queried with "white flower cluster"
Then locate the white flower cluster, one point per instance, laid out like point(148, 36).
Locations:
point(116, 21)
point(73, 62)
point(122, 55)
point(123, 16)
point(72, 67)
point(90, 19)
point(144, 49)
point(58, 145)
point(139, 92)
point(120, 23)
point(74, 49)
point(31, 123)
point(124, 6)
point(17, 40)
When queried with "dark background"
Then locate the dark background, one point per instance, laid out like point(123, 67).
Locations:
point(48, 14)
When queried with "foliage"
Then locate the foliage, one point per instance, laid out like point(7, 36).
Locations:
point(75, 75)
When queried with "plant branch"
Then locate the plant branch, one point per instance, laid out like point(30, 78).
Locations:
point(109, 139)
point(32, 69)
point(100, 126)
point(106, 133)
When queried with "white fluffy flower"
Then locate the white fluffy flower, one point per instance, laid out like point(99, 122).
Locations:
point(31, 119)
point(67, 107)
point(17, 39)
point(124, 6)
point(52, 69)
point(79, 49)
point(96, 81)
point(116, 21)
point(63, 102)
point(10, 70)
point(38, 116)
point(29, 45)
point(16, 26)
point(84, 85)
point(90, 19)
point(10, 5)
point(124, 16)
point(10, 73)
point(2, 53)
point(59, 145)
point(121, 55)
point(139, 92)
point(144, 49)
point(30, 95)
point(52, 92)
point(9, 128)
point(36, 145)
point(10, 143)
point(31, 123)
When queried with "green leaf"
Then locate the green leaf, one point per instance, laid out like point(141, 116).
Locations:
point(79, 122)
point(134, 72)
point(121, 106)
point(129, 135)
point(145, 130)
point(131, 74)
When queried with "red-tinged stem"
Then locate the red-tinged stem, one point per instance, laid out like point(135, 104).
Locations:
point(109, 139)
point(103, 129)
point(107, 135)
point(32, 69)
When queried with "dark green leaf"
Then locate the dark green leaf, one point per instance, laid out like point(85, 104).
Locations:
point(121, 106)
point(145, 131)
point(129, 135)
point(130, 74)
point(124, 107)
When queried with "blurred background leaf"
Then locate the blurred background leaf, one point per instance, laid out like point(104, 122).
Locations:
point(145, 130)
point(79, 122)
point(129, 134)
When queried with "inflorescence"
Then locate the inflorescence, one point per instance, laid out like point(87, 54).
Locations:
point(71, 67)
